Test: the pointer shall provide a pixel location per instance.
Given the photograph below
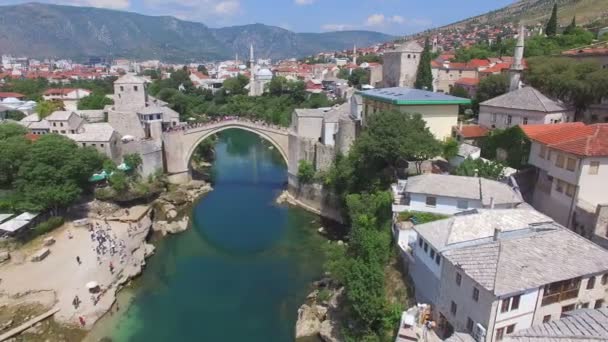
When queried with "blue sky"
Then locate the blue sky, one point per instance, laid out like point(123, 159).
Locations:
point(390, 16)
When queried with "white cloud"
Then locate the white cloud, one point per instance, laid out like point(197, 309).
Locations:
point(397, 19)
point(336, 27)
point(304, 2)
point(227, 7)
point(375, 20)
point(113, 4)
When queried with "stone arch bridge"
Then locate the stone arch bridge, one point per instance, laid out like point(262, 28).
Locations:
point(180, 143)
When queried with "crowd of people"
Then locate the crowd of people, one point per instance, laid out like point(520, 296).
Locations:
point(105, 243)
point(186, 126)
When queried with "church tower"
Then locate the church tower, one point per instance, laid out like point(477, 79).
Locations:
point(517, 68)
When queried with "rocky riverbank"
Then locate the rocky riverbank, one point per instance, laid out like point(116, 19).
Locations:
point(320, 315)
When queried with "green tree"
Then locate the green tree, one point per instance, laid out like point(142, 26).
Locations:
point(46, 108)
point(343, 73)
point(450, 149)
point(551, 28)
point(570, 28)
point(119, 181)
point(424, 76)
point(133, 160)
point(13, 152)
point(203, 69)
point(94, 101)
point(54, 173)
point(306, 172)
point(10, 129)
point(489, 88)
point(358, 78)
point(236, 85)
point(480, 168)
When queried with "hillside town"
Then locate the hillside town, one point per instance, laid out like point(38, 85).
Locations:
point(488, 166)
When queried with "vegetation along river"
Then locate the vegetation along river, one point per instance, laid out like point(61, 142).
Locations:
point(243, 269)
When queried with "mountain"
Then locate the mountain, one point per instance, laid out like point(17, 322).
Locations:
point(531, 12)
point(43, 30)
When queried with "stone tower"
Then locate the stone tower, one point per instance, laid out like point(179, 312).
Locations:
point(517, 68)
point(130, 93)
point(401, 65)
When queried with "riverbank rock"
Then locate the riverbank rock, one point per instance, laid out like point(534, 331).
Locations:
point(308, 323)
point(183, 194)
point(171, 227)
point(4, 256)
point(330, 331)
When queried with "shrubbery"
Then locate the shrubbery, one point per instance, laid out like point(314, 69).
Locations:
point(48, 225)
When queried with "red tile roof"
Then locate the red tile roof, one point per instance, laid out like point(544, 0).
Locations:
point(10, 94)
point(575, 137)
point(479, 63)
point(468, 81)
point(499, 67)
point(473, 131)
point(32, 136)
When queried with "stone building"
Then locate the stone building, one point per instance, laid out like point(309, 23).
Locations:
point(401, 65)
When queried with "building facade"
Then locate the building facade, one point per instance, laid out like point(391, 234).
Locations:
point(400, 65)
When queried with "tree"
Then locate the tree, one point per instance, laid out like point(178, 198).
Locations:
point(10, 129)
point(119, 181)
point(14, 115)
point(450, 149)
point(46, 108)
point(94, 101)
point(54, 173)
point(570, 28)
point(358, 78)
point(203, 69)
point(133, 160)
point(489, 88)
point(13, 153)
point(343, 74)
point(236, 85)
point(480, 168)
point(551, 28)
point(424, 75)
point(306, 172)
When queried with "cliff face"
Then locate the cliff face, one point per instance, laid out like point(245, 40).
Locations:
point(43, 30)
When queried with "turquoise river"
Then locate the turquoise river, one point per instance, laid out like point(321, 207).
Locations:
point(240, 273)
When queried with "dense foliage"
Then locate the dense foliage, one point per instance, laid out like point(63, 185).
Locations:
point(94, 101)
point(480, 168)
point(551, 28)
point(424, 76)
point(306, 172)
point(49, 174)
point(512, 141)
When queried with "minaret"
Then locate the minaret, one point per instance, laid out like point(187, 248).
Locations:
point(517, 68)
point(355, 54)
point(251, 59)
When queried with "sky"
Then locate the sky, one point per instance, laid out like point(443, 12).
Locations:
point(396, 17)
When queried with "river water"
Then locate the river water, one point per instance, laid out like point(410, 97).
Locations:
point(242, 270)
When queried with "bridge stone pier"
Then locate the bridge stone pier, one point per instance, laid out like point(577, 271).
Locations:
point(180, 143)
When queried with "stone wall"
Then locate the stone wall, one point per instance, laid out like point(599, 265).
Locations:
point(151, 155)
point(324, 156)
point(126, 123)
point(315, 198)
point(347, 133)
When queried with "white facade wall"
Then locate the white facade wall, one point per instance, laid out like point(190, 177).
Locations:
point(494, 117)
point(522, 317)
point(445, 205)
point(594, 188)
point(329, 131)
point(425, 272)
point(309, 127)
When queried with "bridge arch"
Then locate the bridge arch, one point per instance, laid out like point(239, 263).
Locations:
point(259, 133)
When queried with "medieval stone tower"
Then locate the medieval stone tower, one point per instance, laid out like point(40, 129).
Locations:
point(401, 65)
point(130, 93)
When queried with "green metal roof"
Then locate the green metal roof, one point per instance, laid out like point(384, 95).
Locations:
point(409, 96)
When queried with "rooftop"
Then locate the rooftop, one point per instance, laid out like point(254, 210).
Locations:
point(474, 188)
point(575, 137)
point(95, 132)
point(60, 115)
point(526, 98)
point(306, 112)
point(580, 325)
point(410, 96)
point(530, 249)
point(130, 79)
point(473, 131)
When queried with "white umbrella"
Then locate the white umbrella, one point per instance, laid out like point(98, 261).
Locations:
point(92, 285)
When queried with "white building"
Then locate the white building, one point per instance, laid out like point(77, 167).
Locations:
point(69, 96)
point(102, 137)
point(448, 194)
point(525, 106)
point(491, 273)
point(571, 162)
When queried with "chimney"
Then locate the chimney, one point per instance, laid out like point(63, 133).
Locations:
point(491, 202)
point(496, 235)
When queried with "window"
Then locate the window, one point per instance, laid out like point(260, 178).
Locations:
point(437, 259)
point(431, 201)
point(470, 324)
point(561, 290)
point(559, 161)
point(598, 304)
point(510, 328)
point(567, 308)
point(570, 190)
point(54, 124)
point(547, 319)
point(591, 283)
point(505, 305)
point(515, 302)
point(509, 119)
point(500, 333)
point(571, 164)
point(605, 279)
point(94, 145)
point(463, 204)
point(409, 56)
point(61, 124)
point(525, 120)
point(135, 88)
point(475, 294)
point(84, 144)
point(543, 151)
point(101, 145)
point(122, 88)
point(72, 131)
point(420, 242)
point(585, 305)
point(559, 185)
point(426, 247)
point(453, 308)
point(494, 117)
point(594, 167)
point(432, 253)
point(62, 131)
point(458, 279)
